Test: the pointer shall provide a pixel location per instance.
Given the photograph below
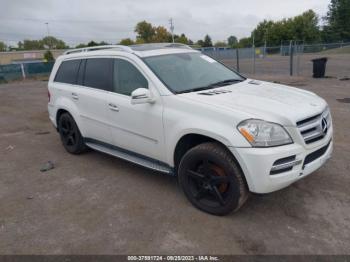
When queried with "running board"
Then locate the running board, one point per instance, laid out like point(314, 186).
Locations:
point(130, 157)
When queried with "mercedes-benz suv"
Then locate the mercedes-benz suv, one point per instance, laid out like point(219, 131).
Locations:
point(175, 110)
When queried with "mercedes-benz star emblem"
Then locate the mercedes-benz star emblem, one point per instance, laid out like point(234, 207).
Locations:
point(324, 126)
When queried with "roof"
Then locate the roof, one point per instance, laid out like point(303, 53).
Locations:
point(142, 50)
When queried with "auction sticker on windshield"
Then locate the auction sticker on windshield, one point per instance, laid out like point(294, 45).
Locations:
point(208, 59)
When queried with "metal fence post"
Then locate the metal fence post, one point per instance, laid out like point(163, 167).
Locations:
point(281, 49)
point(297, 49)
point(23, 73)
point(237, 59)
point(253, 60)
point(291, 58)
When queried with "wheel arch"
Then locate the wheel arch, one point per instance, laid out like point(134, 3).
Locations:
point(64, 105)
point(190, 140)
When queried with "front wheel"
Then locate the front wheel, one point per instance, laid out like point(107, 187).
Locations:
point(212, 180)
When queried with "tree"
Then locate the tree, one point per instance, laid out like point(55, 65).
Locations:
point(181, 39)
point(3, 46)
point(220, 44)
point(232, 41)
point(32, 44)
point(48, 56)
point(245, 42)
point(145, 31)
point(337, 26)
point(53, 43)
point(200, 43)
point(305, 27)
point(263, 30)
point(161, 35)
point(46, 42)
point(207, 41)
point(302, 27)
point(126, 41)
point(81, 46)
point(20, 45)
point(92, 43)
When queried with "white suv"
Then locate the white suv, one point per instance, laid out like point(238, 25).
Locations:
point(172, 109)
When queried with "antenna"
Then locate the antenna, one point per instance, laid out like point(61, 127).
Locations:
point(172, 28)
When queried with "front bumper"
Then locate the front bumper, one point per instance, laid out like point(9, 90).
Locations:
point(257, 163)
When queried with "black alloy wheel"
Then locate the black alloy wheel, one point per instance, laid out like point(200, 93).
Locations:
point(212, 180)
point(71, 137)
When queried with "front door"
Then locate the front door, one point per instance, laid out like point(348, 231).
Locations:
point(136, 128)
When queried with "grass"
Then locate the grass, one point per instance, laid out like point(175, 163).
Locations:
point(337, 51)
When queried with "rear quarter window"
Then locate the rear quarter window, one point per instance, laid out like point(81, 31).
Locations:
point(67, 72)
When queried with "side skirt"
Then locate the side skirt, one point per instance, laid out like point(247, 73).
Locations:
point(129, 156)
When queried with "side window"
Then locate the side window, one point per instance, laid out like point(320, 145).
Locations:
point(67, 72)
point(127, 78)
point(98, 73)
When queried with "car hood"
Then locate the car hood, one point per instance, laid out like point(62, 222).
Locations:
point(263, 100)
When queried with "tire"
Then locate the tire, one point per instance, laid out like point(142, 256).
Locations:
point(212, 180)
point(71, 137)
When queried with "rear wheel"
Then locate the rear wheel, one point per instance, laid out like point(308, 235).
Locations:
point(71, 137)
point(212, 180)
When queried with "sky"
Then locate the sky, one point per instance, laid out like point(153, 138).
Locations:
point(79, 21)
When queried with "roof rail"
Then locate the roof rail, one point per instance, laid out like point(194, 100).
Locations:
point(152, 46)
point(94, 48)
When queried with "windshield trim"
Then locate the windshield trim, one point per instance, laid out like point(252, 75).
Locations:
point(182, 92)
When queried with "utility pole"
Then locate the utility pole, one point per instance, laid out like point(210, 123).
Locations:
point(172, 28)
point(48, 32)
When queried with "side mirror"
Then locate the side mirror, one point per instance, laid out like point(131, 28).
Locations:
point(141, 96)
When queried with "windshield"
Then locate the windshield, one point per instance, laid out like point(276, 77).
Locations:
point(188, 72)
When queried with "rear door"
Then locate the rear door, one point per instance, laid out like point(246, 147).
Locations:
point(95, 78)
point(65, 81)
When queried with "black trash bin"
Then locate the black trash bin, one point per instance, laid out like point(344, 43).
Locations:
point(319, 68)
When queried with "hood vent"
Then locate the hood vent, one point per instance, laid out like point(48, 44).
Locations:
point(215, 92)
point(254, 82)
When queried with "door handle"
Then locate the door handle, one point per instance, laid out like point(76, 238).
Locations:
point(113, 107)
point(75, 96)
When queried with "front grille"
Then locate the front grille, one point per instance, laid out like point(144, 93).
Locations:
point(316, 127)
point(315, 155)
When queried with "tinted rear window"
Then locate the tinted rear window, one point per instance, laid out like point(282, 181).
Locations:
point(67, 72)
point(99, 73)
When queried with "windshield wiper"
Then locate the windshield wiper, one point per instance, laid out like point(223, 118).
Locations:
point(225, 82)
point(213, 85)
point(194, 89)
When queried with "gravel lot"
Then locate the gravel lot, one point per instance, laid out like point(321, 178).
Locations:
point(96, 204)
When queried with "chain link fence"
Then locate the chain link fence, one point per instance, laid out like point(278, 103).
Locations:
point(12, 72)
point(293, 58)
point(290, 58)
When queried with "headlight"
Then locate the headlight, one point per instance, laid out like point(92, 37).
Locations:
point(260, 133)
